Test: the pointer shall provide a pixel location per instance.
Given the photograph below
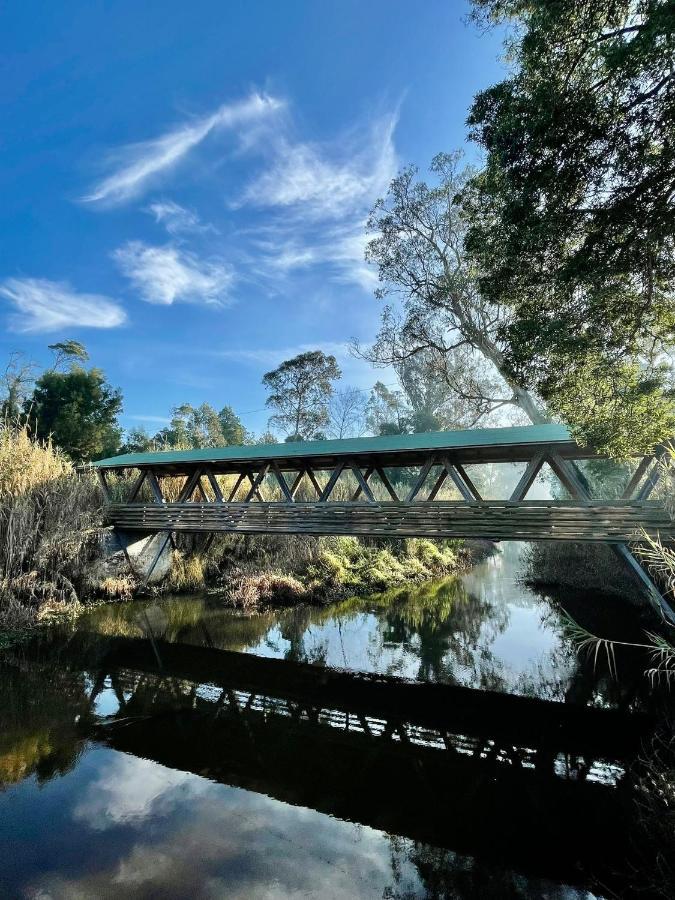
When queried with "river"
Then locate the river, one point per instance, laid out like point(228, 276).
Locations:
point(442, 740)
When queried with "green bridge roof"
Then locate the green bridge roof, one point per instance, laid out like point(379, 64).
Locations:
point(488, 443)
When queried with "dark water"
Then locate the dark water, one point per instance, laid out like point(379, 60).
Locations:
point(443, 740)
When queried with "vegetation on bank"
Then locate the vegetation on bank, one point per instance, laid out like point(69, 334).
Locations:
point(49, 525)
point(346, 565)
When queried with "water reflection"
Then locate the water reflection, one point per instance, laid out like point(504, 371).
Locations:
point(140, 755)
point(484, 630)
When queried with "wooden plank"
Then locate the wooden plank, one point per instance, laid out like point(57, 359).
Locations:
point(537, 520)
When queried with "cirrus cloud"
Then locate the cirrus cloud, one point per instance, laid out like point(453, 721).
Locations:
point(168, 274)
point(136, 165)
point(44, 305)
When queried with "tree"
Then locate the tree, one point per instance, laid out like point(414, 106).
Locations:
point(573, 218)
point(192, 427)
point(300, 390)
point(137, 440)
point(78, 410)
point(386, 412)
point(16, 384)
point(346, 413)
point(68, 351)
point(231, 428)
point(427, 399)
point(418, 249)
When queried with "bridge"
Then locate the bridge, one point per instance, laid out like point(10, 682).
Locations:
point(395, 486)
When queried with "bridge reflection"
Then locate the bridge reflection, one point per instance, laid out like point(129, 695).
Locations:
point(534, 785)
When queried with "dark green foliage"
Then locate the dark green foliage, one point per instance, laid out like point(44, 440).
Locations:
point(78, 409)
point(231, 428)
point(300, 389)
point(573, 219)
point(192, 427)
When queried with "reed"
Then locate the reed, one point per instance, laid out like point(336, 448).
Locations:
point(50, 519)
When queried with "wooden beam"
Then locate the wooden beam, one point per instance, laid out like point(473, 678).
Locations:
point(296, 483)
point(387, 484)
point(528, 477)
point(215, 487)
point(569, 475)
point(154, 487)
point(439, 484)
point(282, 481)
point(636, 477)
point(363, 486)
point(255, 484)
point(421, 478)
point(335, 474)
point(467, 480)
point(237, 484)
point(315, 484)
point(658, 601)
point(189, 486)
point(459, 484)
point(654, 475)
point(102, 480)
point(136, 486)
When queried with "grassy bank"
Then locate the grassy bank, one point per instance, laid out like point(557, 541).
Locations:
point(326, 568)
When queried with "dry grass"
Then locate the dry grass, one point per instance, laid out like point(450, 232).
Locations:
point(253, 591)
point(49, 524)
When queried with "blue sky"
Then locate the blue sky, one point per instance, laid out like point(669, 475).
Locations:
point(183, 186)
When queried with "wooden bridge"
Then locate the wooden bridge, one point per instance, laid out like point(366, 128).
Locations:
point(393, 486)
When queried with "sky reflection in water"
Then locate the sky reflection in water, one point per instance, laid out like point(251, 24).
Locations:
point(82, 820)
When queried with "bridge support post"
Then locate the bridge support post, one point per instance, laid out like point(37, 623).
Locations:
point(577, 486)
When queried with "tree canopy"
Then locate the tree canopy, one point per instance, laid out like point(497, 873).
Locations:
point(572, 221)
point(300, 390)
point(418, 248)
point(78, 410)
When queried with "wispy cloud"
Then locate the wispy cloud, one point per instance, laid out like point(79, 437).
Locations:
point(166, 275)
point(134, 166)
point(44, 305)
point(328, 180)
point(176, 218)
point(319, 196)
